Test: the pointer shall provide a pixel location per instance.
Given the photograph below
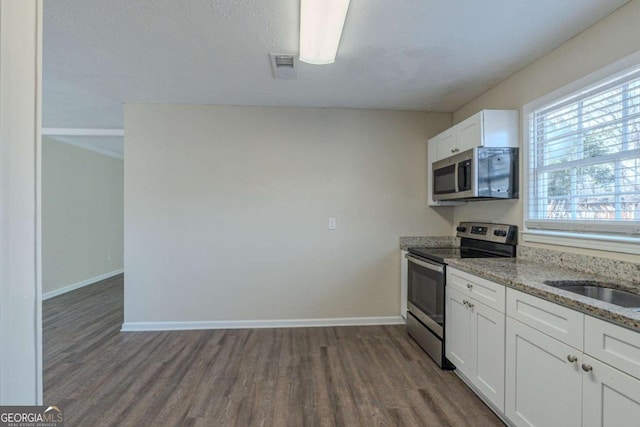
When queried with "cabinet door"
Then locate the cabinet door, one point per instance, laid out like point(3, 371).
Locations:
point(542, 388)
point(470, 133)
point(611, 398)
point(432, 149)
point(457, 331)
point(487, 351)
point(500, 128)
point(447, 143)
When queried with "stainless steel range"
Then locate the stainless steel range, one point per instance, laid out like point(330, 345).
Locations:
point(427, 280)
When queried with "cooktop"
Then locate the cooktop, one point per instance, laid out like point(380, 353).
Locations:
point(477, 240)
point(439, 254)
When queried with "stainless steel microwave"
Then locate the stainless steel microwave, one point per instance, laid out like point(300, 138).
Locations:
point(478, 174)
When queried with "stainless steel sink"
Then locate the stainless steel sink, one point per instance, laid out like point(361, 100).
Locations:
point(598, 290)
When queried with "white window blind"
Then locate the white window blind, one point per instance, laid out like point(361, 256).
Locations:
point(584, 160)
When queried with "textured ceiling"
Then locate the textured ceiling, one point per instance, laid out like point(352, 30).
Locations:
point(431, 55)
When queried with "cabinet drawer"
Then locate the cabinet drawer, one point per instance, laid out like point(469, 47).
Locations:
point(554, 320)
point(612, 344)
point(484, 291)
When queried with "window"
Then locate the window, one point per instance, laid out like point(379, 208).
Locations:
point(584, 160)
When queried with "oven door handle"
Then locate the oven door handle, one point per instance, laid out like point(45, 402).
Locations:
point(429, 265)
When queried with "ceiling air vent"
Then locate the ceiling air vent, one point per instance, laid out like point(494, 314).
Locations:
point(282, 66)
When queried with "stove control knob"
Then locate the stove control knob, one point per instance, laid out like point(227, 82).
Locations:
point(499, 233)
point(461, 229)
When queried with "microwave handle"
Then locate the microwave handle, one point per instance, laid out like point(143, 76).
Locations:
point(455, 177)
point(430, 266)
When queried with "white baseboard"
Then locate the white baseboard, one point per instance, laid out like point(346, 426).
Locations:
point(80, 284)
point(253, 324)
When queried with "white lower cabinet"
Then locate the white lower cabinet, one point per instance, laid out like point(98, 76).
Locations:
point(552, 383)
point(487, 352)
point(458, 332)
point(542, 384)
point(475, 344)
point(539, 363)
point(611, 397)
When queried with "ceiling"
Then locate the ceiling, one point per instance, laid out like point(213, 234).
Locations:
point(428, 55)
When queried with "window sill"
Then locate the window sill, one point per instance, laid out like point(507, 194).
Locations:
point(627, 245)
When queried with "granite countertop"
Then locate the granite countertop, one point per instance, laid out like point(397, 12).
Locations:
point(528, 276)
point(407, 242)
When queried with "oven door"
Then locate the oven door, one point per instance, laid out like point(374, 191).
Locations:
point(426, 292)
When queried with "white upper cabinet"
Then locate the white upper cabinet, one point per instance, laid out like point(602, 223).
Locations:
point(445, 143)
point(470, 133)
point(488, 128)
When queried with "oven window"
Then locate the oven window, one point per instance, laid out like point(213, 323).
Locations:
point(426, 291)
point(444, 180)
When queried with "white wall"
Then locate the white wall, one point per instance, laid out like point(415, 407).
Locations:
point(609, 40)
point(82, 215)
point(226, 210)
point(20, 310)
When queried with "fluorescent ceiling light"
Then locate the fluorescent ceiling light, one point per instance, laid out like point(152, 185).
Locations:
point(321, 23)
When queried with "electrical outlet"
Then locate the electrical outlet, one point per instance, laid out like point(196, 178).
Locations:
point(332, 223)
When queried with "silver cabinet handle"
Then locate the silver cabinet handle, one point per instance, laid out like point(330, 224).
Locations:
point(572, 358)
point(470, 305)
point(587, 368)
point(469, 286)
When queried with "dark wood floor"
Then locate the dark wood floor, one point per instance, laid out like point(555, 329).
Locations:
point(342, 376)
